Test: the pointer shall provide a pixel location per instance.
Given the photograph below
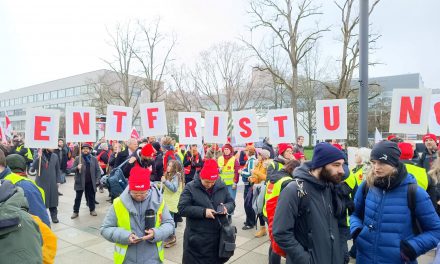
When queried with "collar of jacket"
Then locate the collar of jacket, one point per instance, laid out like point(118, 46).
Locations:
point(155, 198)
point(217, 186)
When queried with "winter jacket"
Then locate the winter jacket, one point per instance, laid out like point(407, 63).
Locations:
point(427, 159)
point(32, 194)
point(201, 237)
point(49, 177)
point(20, 238)
point(80, 176)
point(144, 251)
point(172, 191)
point(139, 162)
point(248, 168)
point(387, 222)
point(269, 148)
point(63, 156)
point(158, 165)
point(259, 174)
point(311, 235)
point(195, 163)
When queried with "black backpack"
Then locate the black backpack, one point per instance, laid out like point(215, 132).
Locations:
point(411, 196)
point(116, 181)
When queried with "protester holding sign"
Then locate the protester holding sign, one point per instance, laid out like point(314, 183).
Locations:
point(49, 176)
point(192, 163)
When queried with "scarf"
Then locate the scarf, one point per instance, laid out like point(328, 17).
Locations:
point(391, 182)
point(87, 158)
point(227, 157)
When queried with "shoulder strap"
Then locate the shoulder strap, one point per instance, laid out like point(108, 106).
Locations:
point(303, 205)
point(412, 190)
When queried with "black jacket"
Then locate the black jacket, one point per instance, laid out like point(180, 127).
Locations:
point(120, 157)
point(158, 164)
point(201, 237)
point(143, 163)
point(427, 159)
point(196, 164)
point(309, 232)
point(63, 156)
point(269, 148)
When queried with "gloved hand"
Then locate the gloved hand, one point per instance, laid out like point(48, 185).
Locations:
point(407, 252)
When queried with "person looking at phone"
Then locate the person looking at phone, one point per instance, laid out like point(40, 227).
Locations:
point(138, 221)
point(203, 202)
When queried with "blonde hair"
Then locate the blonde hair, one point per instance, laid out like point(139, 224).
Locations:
point(434, 173)
point(176, 169)
point(167, 140)
point(370, 177)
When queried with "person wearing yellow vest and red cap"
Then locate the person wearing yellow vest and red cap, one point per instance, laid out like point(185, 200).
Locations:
point(406, 155)
point(138, 222)
point(205, 202)
point(229, 167)
point(430, 153)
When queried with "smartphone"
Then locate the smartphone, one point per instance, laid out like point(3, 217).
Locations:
point(220, 209)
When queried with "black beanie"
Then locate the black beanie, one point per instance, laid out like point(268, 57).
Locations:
point(156, 145)
point(387, 152)
point(324, 154)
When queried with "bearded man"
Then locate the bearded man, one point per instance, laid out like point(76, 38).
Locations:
point(306, 218)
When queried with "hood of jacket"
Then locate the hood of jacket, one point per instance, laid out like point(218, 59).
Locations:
point(11, 195)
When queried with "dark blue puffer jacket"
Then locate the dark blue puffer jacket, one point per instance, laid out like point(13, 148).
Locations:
point(388, 221)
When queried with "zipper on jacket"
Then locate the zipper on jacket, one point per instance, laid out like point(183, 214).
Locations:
point(378, 221)
point(329, 214)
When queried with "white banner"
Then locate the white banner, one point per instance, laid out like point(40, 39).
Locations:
point(119, 122)
point(245, 126)
point(331, 119)
point(216, 127)
point(42, 127)
point(190, 128)
point(280, 122)
point(434, 114)
point(80, 124)
point(410, 111)
point(154, 119)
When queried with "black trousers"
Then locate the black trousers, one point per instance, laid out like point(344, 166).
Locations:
point(250, 213)
point(274, 258)
point(90, 198)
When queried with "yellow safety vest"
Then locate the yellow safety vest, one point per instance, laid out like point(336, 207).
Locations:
point(419, 174)
point(273, 190)
point(359, 176)
point(227, 170)
point(14, 178)
point(28, 154)
point(123, 217)
point(351, 181)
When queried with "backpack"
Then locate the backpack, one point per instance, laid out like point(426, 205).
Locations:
point(116, 181)
point(411, 197)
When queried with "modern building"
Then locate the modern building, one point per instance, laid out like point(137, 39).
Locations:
point(77, 90)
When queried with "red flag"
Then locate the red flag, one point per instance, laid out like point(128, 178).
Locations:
point(8, 127)
point(134, 133)
point(2, 135)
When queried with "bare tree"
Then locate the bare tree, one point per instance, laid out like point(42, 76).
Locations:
point(283, 19)
point(153, 52)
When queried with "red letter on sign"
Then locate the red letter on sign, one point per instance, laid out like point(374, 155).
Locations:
point(190, 127)
point(79, 122)
point(151, 117)
point(39, 127)
point(335, 124)
point(280, 120)
point(216, 118)
point(119, 116)
point(407, 108)
point(243, 124)
point(437, 112)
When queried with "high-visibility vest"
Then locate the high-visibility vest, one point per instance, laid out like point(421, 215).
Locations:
point(14, 178)
point(273, 190)
point(227, 170)
point(418, 173)
point(179, 153)
point(123, 217)
point(351, 181)
point(359, 176)
point(28, 154)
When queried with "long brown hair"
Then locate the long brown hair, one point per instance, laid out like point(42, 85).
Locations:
point(176, 169)
point(434, 173)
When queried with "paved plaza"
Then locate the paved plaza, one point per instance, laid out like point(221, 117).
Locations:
point(79, 240)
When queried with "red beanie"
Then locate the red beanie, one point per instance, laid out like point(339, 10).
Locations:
point(139, 179)
point(431, 136)
point(391, 137)
point(336, 145)
point(148, 151)
point(406, 151)
point(249, 144)
point(298, 155)
point(283, 147)
point(228, 146)
point(209, 170)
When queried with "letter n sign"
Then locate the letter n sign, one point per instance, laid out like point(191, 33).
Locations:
point(410, 111)
point(331, 119)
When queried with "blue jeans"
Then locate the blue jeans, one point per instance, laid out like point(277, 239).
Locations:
point(232, 192)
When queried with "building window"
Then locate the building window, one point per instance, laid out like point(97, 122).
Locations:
point(84, 89)
point(2, 103)
point(77, 103)
point(54, 95)
point(7, 103)
point(77, 91)
point(31, 98)
point(20, 100)
point(69, 92)
point(61, 93)
point(46, 96)
point(69, 104)
point(25, 100)
point(40, 97)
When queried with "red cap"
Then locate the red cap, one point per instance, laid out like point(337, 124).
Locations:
point(299, 155)
point(139, 179)
point(249, 144)
point(391, 137)
point(283, 147)
point(406, 151)
point(228, 146)
point(431, 136)
point(148, 151)
point(209, 170)
point(336, 145)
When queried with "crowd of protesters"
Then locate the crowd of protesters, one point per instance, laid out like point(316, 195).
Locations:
point(388, 204)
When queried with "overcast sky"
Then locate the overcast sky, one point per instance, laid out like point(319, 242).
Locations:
point(50, 39)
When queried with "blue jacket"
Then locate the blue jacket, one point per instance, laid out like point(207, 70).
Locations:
point(387, 221)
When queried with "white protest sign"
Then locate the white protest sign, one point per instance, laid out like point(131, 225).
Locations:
point(216, 127)
point(245, 126)
point(190, 128)
point(118, 122)
point(154, 119)
point(42, 127)
point(280, 123)
point(331, 119)
point(80, 124)
point(434, 114)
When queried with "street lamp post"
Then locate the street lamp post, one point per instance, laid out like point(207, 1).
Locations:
point(363, 73)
